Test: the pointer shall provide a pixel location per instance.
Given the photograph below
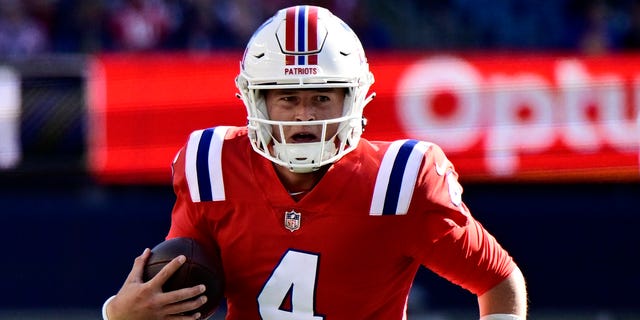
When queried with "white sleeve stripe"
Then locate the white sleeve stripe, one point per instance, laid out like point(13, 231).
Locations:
point(384, 173)
point(190, 165)
point(386, 200)
point(215, 164)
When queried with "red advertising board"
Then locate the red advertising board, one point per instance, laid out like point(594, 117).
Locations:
point(524, 117)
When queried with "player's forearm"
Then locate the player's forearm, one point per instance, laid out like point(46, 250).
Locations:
point(509, 297)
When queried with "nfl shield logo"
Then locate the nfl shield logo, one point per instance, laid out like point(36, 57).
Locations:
point(292, 220)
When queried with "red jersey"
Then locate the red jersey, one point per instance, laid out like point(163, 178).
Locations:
point(350, 248)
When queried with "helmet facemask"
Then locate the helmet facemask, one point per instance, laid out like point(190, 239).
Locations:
point(340, 64)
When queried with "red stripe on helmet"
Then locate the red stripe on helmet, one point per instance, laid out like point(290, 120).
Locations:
point(290, 34)
point(312, 34)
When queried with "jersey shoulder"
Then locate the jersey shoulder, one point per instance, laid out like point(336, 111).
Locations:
point(198, 165)
point(404, 167)
point(416, 150)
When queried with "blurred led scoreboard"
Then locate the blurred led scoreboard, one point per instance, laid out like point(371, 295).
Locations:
point(522, 117)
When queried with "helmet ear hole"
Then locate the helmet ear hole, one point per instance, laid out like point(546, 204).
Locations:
point(330, 55)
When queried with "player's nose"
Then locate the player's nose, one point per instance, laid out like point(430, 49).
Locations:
point(305, 112)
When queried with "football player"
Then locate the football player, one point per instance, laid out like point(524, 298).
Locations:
point(312, 221)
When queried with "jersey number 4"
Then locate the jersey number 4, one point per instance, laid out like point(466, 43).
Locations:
point(289, 293)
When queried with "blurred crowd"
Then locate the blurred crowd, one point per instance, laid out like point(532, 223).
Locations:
point(29, 27)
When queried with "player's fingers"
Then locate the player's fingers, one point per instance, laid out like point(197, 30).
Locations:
point(195, 316)
point(184, 294)
point(182, 307)
point(138, 266)
point(168, 270)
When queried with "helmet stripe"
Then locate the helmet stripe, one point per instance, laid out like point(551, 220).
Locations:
point(312, 37)
point(301, 35)
point(290, 34)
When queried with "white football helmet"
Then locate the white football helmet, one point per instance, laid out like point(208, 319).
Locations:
point(304, 47)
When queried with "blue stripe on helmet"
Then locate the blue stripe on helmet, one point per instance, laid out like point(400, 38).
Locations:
point(302, 34)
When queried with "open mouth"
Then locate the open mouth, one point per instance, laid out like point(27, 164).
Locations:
point(303, 137)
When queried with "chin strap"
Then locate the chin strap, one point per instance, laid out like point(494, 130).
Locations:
point(304, 157)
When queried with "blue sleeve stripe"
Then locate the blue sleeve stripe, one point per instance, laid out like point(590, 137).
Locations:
point(202, 165)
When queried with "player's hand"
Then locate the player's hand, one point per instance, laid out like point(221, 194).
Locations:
point(138, 300)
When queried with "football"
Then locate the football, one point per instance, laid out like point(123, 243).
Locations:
point(200, 267)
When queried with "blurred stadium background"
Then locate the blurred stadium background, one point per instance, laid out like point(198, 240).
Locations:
point(548, 157)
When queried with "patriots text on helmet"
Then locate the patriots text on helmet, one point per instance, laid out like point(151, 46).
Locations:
point(292, 71)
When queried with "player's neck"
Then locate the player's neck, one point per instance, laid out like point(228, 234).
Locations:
point(299, 183)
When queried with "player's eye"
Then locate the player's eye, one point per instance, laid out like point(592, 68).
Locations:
point(288, 98)
point(322, 98)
